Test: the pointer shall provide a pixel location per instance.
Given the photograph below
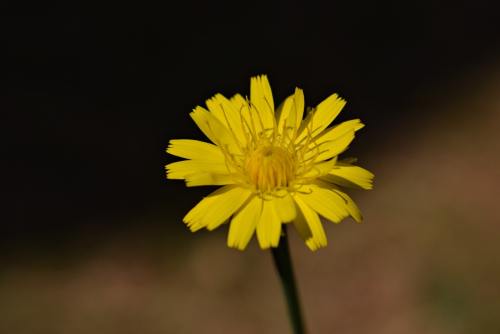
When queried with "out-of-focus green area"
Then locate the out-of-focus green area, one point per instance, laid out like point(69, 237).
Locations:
point(424, 261)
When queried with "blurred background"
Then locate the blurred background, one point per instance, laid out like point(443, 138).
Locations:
point(92, 236)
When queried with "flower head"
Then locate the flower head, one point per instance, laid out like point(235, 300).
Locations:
point(274, 166)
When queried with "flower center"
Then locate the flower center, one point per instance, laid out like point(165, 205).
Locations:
point(270, 167)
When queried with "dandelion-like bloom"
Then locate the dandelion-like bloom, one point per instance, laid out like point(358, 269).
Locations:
point(274, 166)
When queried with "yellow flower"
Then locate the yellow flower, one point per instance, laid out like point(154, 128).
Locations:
point(274, 166)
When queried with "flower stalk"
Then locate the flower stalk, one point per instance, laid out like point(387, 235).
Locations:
point(283, 264)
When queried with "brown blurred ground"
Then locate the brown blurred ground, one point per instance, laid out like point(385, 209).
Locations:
point(425, 260)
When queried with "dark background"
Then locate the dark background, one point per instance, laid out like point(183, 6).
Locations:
point(91, 94)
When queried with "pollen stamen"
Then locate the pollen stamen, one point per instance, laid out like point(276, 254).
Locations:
point(270, 168)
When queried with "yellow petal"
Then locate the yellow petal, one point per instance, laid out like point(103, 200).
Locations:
point(182, 169)
point(324, 201)
point(251, 122)
point(283, 114)
point(195, 149)
point(243, 223)
point(338, 131)
point(285, 207)
point(214, 130)
point(261, 98)
point(238, 102)
point(351, 206)
point(321, 168)
point(299, 106)
point(199, 116)
point(351, 176)
point(269, 226)
point(310, 217)
point(209, 179)
point(332, 148)
point(322, 116)
point(290, 114)
point(216, 208)
point(301, 226)
point(228, 115)
point(334, 140)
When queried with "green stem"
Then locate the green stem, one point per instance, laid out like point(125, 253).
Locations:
point(283, 264)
